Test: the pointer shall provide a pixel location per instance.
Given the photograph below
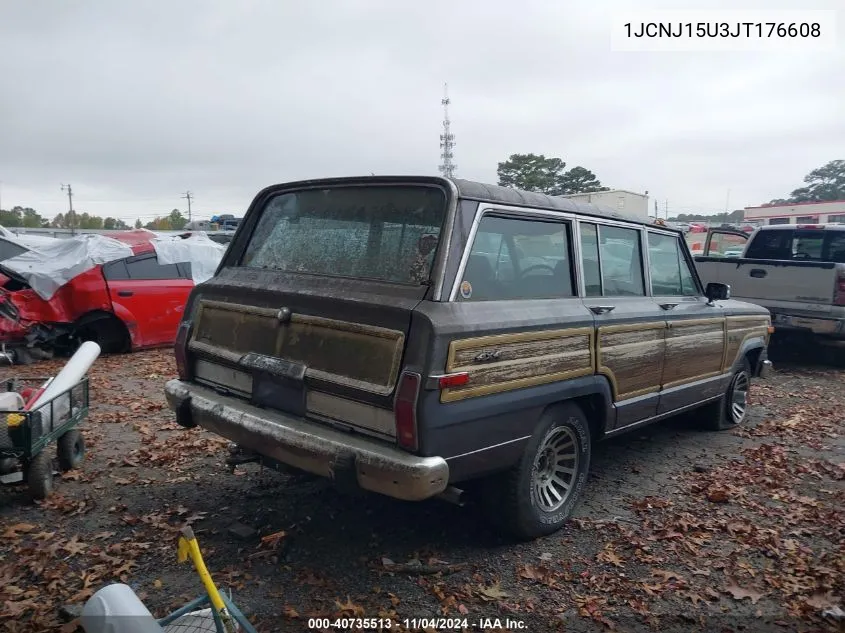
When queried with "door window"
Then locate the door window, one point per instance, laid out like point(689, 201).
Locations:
point(515, 258)
point(621, 262)
point(148, 268)
point(670, 272)
point(725, 245)
point(799, 245)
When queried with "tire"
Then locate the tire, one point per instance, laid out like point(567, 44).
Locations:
point(39, 476)
point(70, 450)
point(732, 410)
point(530, 500)
point(104, 329)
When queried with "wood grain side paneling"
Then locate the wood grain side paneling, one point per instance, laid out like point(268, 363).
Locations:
point(631, 356)
point(738, 330)
point(503, 362)
point(694, 350)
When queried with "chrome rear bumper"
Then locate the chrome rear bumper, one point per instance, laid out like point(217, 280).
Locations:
point(309, 446)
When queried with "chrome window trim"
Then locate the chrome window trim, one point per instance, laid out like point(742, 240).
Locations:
point(519, 212)
point(575, 220)
point(683, 253)
point(438, 271)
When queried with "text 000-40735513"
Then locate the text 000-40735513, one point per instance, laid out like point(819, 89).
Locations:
point(724, 30)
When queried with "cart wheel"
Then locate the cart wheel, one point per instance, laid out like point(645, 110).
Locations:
point(71, 450)
point(39, 475)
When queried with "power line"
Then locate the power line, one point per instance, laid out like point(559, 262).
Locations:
point(70, 208)
point(447, 139)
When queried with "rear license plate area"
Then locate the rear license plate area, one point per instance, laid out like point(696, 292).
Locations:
point(277, 383)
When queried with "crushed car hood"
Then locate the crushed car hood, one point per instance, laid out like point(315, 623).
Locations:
point(48, 267)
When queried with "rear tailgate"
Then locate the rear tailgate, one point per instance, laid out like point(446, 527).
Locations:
point(310, 315)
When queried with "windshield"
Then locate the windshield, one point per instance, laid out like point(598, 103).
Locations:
point(388, 233)
point(10, 249)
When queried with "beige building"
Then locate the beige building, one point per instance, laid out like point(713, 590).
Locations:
point(628, 202)
point(798, 213)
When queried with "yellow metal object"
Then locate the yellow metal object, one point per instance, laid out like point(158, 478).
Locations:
point(189, 548)
point(15, 419)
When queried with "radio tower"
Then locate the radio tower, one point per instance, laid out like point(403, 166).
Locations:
point(447, 139)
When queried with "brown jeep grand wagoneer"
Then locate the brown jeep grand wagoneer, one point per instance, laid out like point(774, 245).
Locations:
point(417, 336)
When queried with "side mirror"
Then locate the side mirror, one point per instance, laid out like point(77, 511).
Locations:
point(717, 292)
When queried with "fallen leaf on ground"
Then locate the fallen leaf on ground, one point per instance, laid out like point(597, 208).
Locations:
point(493, 592)
point(739, 593)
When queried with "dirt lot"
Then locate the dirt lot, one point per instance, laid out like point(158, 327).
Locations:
point(680, 529)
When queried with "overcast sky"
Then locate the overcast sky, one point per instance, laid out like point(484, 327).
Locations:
point(136, 102)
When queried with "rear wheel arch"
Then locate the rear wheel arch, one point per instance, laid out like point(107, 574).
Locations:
point(106, 329)
point(595, 401)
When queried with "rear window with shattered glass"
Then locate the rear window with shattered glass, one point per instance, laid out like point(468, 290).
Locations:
point(387, 233)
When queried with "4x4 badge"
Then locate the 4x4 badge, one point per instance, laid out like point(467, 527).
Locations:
point(487, 356)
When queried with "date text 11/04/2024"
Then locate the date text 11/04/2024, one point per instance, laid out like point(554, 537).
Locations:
point(723, 29)
point(436, 624)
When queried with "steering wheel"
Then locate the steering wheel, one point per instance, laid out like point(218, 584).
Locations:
point(549, 268)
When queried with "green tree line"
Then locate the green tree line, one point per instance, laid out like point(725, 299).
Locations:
point(27, 217)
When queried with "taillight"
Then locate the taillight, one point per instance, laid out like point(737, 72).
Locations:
point(180, 349)
point(405, 411)
point(839, 292)
point(453, 380)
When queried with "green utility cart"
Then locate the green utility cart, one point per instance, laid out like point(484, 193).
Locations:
point(27, 437)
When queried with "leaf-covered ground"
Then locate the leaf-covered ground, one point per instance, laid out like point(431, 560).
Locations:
point(680, 529)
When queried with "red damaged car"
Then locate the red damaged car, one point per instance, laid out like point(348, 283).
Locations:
point(112, 290)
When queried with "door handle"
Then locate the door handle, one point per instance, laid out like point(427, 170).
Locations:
point(668, 306)
point(758, 272)
point(125, 293)
point(601, 309)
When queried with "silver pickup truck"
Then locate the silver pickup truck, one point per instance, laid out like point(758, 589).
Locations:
point(797, 272)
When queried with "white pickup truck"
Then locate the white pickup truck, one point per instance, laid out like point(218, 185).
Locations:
point(797, 272)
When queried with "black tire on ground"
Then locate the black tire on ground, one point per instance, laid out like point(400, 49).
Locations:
point(23, 357)
point(70, 449)
point(106, 330)
point(732, 409)
point(536, 497)
point(39, 475)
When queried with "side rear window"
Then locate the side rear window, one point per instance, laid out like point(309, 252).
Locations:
point(515, 258)
point(148, 268)
point(621, 261)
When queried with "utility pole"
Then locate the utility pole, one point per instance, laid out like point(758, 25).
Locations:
point(70, 208)
point(666, 209)
point(188, 196)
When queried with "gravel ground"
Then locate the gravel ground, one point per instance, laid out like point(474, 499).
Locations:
point(680, 530)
